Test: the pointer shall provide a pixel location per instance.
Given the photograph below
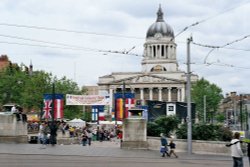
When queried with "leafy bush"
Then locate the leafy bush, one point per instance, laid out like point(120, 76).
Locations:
point(205, 132)
point(162, 124)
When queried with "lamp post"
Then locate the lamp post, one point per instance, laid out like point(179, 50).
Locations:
point(53, 127)
point(123, 101)
point(241, 123)
point(189, 120)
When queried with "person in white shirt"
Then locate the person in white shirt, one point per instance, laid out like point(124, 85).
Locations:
point(236, 151)
point(13, 109)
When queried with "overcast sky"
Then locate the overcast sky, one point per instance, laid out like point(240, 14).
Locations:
point(68, 37)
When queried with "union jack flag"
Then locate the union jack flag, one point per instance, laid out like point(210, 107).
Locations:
point(46, 109)
point(58, 106)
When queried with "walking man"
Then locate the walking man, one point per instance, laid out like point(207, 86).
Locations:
point(236, 151)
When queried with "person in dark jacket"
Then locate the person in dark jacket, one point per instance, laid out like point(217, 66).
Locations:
point(248, 152)
point(172, 146)
point(164, 144)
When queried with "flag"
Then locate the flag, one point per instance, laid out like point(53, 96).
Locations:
point(94, 113)
point(46, 108)
point(98, 113)
point(58, 106)
point(101, 113)
point(129, 103)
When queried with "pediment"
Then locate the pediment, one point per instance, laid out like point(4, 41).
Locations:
point(147, 78)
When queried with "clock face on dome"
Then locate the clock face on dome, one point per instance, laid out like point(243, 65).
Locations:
point(158, 35)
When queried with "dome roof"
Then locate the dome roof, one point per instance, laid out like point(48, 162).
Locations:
point(160, 27)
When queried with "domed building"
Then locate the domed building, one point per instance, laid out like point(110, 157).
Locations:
point(160, 79)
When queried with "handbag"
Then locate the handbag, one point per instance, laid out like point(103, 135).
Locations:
point(163, 149)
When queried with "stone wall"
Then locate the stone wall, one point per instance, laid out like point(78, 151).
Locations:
point(198, 146)
point(12, 131)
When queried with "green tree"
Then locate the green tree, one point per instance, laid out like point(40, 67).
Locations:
point(205, 132)
point(203, 88)
point(163, 124)
point(17, 86)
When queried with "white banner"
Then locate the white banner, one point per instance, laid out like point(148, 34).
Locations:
point(87, 100)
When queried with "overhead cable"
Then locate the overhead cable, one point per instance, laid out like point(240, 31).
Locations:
point(211, 17)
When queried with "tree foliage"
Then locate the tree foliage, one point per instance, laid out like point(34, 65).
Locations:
point(205, 132)
point(213, 96)
point(163, 124)
point(17, 86)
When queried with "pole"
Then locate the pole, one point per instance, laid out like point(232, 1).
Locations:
point(123, 101)
point(53, 104)
point(247, 125)
point(189, 116)
point(205, 111)
point(53, 126)
point(241, 121)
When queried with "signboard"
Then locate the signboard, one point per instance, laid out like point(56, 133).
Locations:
point(32, 117)
point(171, 109)
point(87, 100)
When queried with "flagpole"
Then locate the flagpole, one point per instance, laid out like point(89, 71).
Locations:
point(53, 103)
point(124, 101)
point(53, 126)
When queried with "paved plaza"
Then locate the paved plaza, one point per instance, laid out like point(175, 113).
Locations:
point(105, 154)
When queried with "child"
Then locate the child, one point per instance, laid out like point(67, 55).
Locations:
point(172, 149)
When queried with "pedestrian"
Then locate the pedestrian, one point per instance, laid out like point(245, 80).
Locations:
point(45, 135)
point(164, 144)
point(236, 151)
point(172, 146)
point(248, 152)
point(84, 139)
point(89, 135)
point(53, 133)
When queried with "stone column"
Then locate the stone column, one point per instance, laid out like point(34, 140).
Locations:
point(157, 51)
point(182, 94)
point(132, 90)
point(178, 94)
point(166, 47)
point(150, 93)
point(169, 94)
point(160, 94)
point(169, 52)
point(165, 53)
point(141, 94)
point(160, 51)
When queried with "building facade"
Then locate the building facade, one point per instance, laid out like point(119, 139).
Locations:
point(236, 108)
point(160, 79)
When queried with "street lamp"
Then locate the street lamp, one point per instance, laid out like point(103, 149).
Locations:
point(53, 127)
point(241, 123)
point(123, 101)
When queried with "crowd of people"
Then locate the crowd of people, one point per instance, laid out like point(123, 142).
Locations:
point(47, 133)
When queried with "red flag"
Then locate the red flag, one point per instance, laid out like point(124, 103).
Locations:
point(130, 103)
point(58, 108)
